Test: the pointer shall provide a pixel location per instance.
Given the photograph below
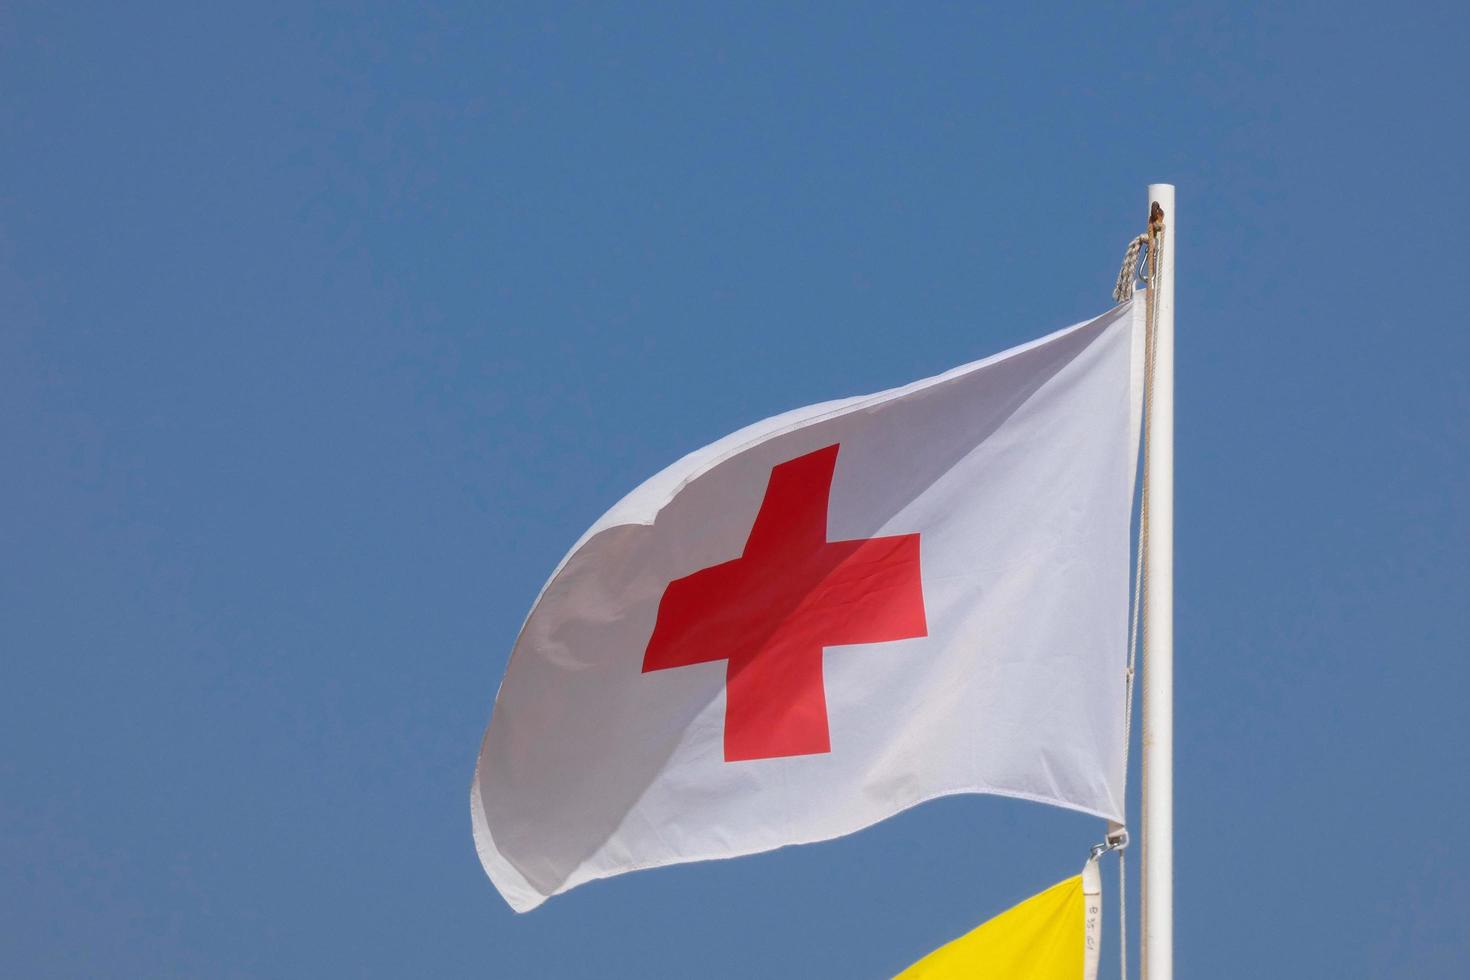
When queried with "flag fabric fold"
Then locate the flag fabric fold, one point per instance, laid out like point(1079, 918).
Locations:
point(828, 617)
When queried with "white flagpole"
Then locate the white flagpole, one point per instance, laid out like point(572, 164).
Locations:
point(1157, 942)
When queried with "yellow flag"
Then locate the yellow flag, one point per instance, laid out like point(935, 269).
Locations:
point(1051, 936)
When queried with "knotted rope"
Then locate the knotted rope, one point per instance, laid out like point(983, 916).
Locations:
point(1128, 275)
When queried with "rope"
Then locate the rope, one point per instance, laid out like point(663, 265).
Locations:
point(1154, 241)
point(1123, 289)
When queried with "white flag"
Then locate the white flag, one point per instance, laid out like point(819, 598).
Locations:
point(828, 617)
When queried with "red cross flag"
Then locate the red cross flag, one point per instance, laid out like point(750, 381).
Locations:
point(828, 617)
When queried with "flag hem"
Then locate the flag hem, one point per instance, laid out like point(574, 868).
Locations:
point(490, 854)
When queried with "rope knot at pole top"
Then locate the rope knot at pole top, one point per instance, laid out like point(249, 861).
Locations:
point(1135, 260)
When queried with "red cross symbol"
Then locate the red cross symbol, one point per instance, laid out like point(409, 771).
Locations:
point(770, 612)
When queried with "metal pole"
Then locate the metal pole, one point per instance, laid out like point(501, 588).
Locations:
point(1157, 942)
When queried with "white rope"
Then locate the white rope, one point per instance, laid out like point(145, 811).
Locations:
point(1123, 289)
point(1154, 241)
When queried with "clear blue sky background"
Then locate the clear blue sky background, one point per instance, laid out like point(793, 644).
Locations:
point(326, 331)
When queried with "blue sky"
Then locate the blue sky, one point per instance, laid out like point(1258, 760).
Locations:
point(326, 330)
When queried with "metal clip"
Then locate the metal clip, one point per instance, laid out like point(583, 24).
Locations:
point(1116, 840)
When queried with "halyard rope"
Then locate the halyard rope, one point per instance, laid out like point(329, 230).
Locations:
point(1123, 290)
point(1154, 240)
